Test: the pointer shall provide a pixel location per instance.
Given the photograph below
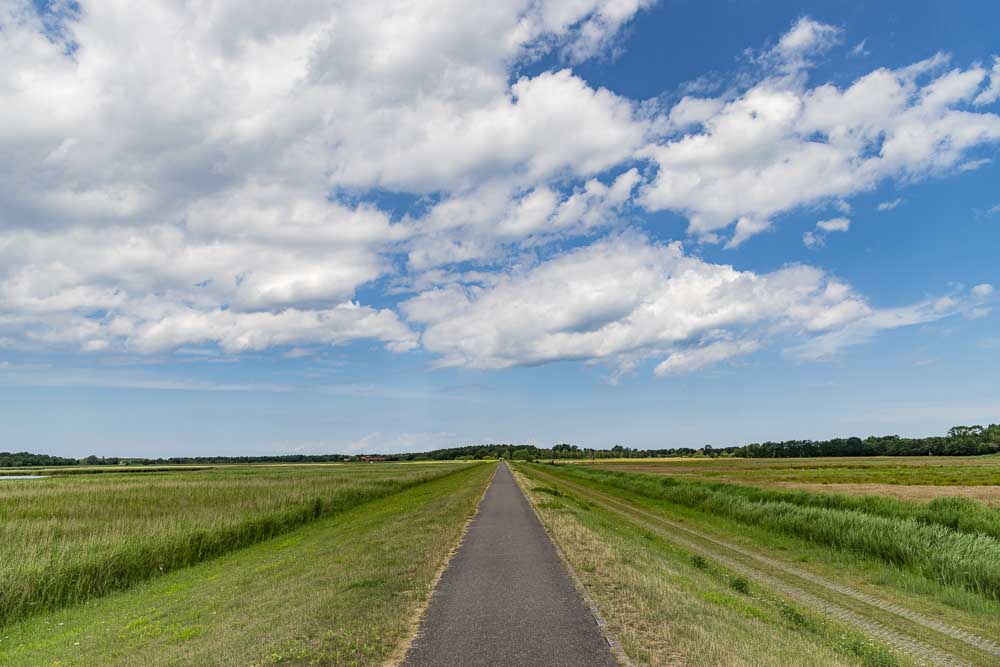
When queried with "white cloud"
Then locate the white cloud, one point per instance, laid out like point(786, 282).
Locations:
point(686, 361)
point(817, 237)
point(231, 176)
point(834, 225)
point(806, 38)
point(780, 144)
point(984, 289)
point(991, 93)
point(475, 225)
point(174, 164)
point(625, 298)
point(863, 328)
point(745, 228)
point(890, 204)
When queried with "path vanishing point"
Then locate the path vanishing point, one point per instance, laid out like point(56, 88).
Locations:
point(506, 598)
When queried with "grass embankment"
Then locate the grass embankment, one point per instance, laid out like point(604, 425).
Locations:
point(66, 540)
point(928, 545)
point(668, 606)
point(341, 590)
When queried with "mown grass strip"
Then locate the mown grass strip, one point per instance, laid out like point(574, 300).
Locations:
point(70, 540)
point(937, 552)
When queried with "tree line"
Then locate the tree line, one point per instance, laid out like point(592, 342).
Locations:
point(960, 441)
point(21, 459)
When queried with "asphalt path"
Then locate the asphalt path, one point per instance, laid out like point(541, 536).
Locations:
point(505, 598)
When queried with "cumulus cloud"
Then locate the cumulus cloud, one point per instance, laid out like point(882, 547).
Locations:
point(237, 176)
point(626, 298)
point(781, 144)
point(476, 225)
point(174, 165)
point(984, 289)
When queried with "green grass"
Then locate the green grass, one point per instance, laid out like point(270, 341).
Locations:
point(69, 539)
point(668, 606)
point(342, 590)
point(934, 550)
point(959, 514)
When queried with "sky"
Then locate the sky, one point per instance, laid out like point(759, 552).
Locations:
point(340, 227)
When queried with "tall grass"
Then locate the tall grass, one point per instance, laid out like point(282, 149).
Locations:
point(66, 540)
point(959, 514)
point(934, 549)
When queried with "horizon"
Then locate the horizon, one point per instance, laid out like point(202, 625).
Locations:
point(344, 230)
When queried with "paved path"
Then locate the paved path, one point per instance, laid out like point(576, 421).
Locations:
point(505, 598)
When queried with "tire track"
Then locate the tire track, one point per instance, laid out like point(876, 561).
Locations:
point(905, 643)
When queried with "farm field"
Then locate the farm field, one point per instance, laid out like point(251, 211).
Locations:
point(344, 589)
point(905, 477)
point(759, 575)
point(71, 538)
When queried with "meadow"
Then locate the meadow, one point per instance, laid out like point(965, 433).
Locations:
point(904, 477)
point(71, 538)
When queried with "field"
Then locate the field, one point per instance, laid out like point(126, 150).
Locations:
point(738, 550)
point(690, 561)
point(68, 539)
point(912, 478)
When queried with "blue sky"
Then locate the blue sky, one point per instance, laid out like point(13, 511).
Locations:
point(378, 228)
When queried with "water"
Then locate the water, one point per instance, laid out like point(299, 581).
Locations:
point(3, 477)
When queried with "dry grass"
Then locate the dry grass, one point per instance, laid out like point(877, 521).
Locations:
point(944, 471)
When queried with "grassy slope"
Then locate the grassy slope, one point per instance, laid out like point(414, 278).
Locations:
point(667, 609)
point(342, 590)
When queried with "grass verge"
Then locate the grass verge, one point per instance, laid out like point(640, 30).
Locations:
point(341, 590)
